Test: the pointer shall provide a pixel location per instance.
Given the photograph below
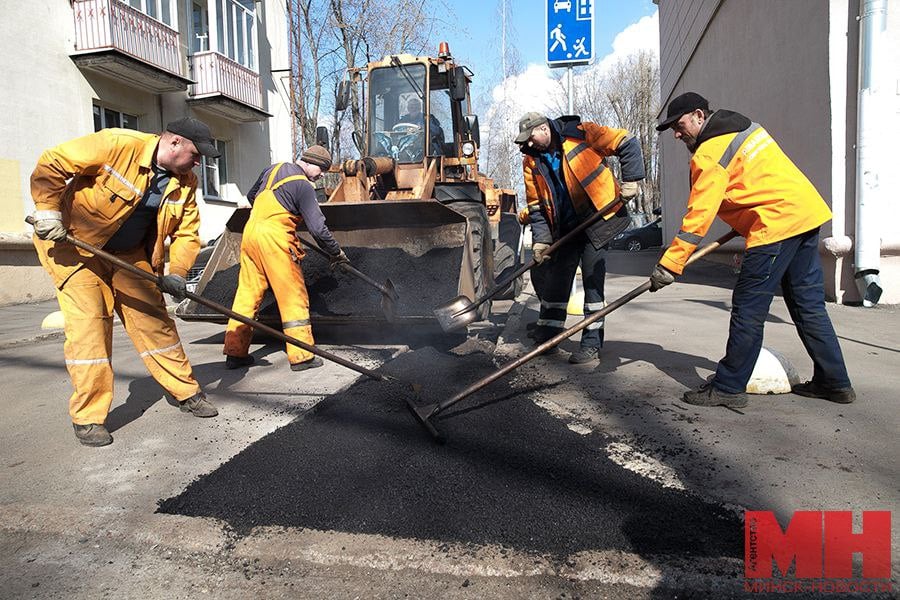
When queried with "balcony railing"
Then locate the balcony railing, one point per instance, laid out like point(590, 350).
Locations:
point(110, 24)
point(216, 74)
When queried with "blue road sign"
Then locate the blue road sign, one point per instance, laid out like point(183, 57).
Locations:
point(570, 32)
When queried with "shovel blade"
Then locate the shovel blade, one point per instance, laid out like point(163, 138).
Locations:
point(389, 299)
point(456, 314)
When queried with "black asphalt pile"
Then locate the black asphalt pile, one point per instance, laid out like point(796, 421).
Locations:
point(422, 282)
point(510, 474)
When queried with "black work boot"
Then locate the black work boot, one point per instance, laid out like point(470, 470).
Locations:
point(585, 354)
point(542, 335)
point(709, 395)
point(811, 389)
point(198, 406)
point(307, 364)
point(236, 362)
point(92, 434)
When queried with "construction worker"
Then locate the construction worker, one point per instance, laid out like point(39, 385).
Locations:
point(127, 192)
point(739, 173)
point(283, 197)
point(566, 181)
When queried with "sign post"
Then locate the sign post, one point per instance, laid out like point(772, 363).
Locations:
point(569, 35)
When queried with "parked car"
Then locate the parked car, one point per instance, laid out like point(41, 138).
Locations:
point(633, 240)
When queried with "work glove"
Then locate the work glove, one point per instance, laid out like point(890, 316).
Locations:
point(336, 261)
point(523, 216)
point(628, 190)
point(174, 285)
point(660, 278)
point(48, 225)
point(540, 252)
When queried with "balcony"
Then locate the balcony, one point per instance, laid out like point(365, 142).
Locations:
point(226, 88)
point(118, 41)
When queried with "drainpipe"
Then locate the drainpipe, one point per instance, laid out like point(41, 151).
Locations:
point(871, 147)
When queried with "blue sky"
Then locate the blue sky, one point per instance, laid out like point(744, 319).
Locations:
point(478, 40)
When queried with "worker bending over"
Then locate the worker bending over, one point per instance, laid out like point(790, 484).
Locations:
point(127, 192)
point(739, 173)
point(566, 181)
point(282, 199)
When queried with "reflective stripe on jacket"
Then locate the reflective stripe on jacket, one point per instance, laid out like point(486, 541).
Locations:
point(590, 183)
point(750, 183)
point(96, 182)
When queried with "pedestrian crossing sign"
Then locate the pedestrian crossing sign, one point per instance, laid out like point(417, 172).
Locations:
point(569, 32)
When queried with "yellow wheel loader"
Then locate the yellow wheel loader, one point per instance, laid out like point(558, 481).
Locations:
point(414, 210)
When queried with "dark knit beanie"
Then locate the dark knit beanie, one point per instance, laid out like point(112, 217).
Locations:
point(317, 155)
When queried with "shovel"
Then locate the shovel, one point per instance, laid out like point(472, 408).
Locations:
point(423, 414)
point(225, 310)
point(389, 297)
point(460, 312)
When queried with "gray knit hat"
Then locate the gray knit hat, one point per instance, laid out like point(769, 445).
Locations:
point(317, 155)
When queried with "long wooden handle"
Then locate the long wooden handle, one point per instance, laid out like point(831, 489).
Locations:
point(560, 337)
point(220, 308)
point(597, 216)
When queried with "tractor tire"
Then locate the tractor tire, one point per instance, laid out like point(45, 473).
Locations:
point(481, 246)
point(508, 256)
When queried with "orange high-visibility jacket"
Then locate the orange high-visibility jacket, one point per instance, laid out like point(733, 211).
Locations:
point(590, 183)
point(745, 178)
point(109, 171)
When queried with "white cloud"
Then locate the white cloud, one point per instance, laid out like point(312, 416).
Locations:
point(536, 89)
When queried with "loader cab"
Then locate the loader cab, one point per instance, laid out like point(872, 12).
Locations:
point(411, 113)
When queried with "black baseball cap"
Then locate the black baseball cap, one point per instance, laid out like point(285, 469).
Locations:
point(197, 132)
point(680, 106)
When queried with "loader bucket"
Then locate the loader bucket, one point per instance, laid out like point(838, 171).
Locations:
point(420, 245)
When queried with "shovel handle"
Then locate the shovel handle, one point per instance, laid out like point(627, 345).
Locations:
point(219, 308)
point(557, 339)
point(349, 268)
point(597, 216)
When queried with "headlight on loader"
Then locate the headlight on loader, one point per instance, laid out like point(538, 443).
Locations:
point(468, 149)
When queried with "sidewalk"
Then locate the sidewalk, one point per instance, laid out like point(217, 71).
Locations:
point(21, 323)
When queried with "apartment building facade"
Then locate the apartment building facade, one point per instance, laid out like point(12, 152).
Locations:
point(75, 67)
point(819, 76)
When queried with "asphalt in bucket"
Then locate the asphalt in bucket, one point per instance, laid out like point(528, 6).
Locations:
point(510, 474)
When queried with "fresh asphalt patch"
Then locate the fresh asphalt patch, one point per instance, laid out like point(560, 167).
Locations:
point(510, 474)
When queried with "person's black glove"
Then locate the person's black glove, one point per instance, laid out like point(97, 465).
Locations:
point(174, 285)
point(660, 278)
point(338, 260)
point(48, 225)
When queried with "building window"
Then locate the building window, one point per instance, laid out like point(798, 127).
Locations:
point(199, 27)
point(236, 29)
point(106, 117)
point(215, 172)
point(161, 10)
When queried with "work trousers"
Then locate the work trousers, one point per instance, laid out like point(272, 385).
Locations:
point(552, 281)
point(270, 256)
point(88, 300)
point(794, 266)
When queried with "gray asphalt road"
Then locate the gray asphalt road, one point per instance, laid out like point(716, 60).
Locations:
point(561, 481)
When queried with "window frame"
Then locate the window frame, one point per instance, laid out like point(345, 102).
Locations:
point(103, 109)
point(142, 5)
point(220, 167)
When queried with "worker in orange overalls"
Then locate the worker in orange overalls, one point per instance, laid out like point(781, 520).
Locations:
point(566, 181)
point(282, 199)
point(127, 192)
point(739, 173)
